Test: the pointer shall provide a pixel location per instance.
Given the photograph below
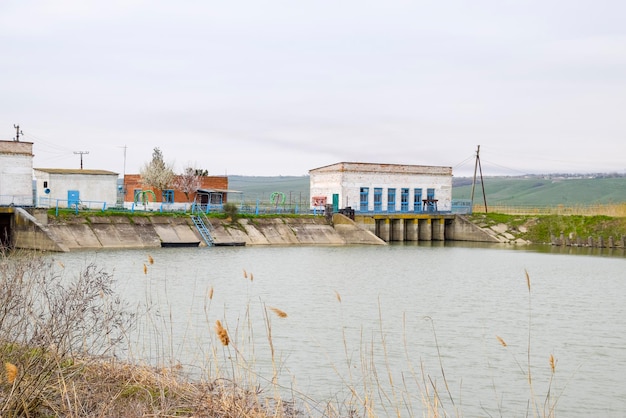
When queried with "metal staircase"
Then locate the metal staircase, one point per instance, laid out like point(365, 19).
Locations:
point(204, 226)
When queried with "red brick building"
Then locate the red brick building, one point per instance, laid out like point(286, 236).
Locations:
point(213, 189)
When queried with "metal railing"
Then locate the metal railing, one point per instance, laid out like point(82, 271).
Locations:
point(267, 208)
point(613, 209)
point(75, 205)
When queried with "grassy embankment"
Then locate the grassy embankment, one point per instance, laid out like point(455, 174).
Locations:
point(541, 228)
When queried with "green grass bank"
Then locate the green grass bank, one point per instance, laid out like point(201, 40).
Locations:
point(540, 229)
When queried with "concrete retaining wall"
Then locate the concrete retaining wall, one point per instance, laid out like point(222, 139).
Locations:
point(97, 232)
point(29, 233)
point(462, 229)
point(116, 232)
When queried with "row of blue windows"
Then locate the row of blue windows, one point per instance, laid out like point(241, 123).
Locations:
point(419, 204)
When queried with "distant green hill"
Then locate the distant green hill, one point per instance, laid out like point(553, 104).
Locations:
point(539, 191)
point(295, 188)
point(535, 190)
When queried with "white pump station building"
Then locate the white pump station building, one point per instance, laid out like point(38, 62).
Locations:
point(377, 188)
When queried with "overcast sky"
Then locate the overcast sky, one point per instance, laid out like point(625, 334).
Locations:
point(271, 87)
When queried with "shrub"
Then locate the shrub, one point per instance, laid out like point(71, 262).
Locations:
point(47, 323)
point(232, 211)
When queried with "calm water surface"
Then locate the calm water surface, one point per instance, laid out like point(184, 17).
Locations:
point(362, 316)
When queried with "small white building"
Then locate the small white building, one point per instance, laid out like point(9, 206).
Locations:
point(16, 173)
point(91, 189)
point(368, 187)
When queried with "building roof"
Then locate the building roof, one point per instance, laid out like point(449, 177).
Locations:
point(16, 147)
point(207, 191)
point(385, 168)
point(76, 171)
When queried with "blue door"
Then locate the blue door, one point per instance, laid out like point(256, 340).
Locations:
point(73, 198)
point(335, 202)
point(431, 204)
point(391, 200)
point(417, 200)
point(364, 199)
point(378, 199)
point(404, 200)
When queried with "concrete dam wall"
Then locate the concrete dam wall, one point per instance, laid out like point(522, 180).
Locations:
point(37, 231)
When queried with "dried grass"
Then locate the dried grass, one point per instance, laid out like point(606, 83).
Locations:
point(111, 389)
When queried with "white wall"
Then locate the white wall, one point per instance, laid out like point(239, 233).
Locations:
point(347, 185)
point(16, 179)
point(94, 189)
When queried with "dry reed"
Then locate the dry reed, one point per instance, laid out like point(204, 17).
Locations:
point(279, 313)
point(552, 363)
point(502, 342)
point(338, 296)
point(222, 334)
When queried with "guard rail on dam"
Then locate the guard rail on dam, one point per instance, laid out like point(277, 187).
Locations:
point(399, 227)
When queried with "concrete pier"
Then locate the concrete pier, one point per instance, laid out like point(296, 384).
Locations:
point(401, 227)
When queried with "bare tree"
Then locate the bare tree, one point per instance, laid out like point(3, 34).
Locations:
point(189, 182)
point(157, 174)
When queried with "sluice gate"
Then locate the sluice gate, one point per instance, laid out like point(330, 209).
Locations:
point(413, 227)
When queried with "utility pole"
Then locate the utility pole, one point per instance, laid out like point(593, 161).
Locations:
point(81, 157)
point(478, 166)
point(124, 172)
point(18, 132)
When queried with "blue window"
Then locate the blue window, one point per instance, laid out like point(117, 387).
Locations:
point(137, 195)
point(364, 199)
point(404, 200)
point(431, 204)
point(391, 200)
point(168, 196)
point(417, 200)
point(378, 199)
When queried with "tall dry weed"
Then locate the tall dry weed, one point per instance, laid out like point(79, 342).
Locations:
point(47, 321)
